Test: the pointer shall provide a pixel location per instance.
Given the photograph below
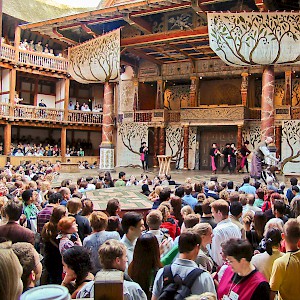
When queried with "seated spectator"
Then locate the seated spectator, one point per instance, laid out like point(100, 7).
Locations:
point(154, 221)
point(12, 231)
point(77, 265)
point(132, 181)
point(113, 256)
point(145, 190)
point(11, 285)
point(121, 180)
point(31, 263)
point(99, 221)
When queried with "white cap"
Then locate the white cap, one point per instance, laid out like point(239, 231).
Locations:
point(47, 292)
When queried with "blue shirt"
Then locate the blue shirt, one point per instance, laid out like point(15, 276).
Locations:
point(248, 189)
point(189, 200)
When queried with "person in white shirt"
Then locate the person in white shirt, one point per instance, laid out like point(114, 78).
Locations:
point(224, 230)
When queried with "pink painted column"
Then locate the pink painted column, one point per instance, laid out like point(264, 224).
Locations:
point(267, 102)
point(107, 146)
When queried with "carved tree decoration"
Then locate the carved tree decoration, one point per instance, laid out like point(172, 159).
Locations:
point(97, 60)
point(296, 92)
point(253, 135)
point(242, 39)
point(174, 138)
point(131, 131)
point(291, 134)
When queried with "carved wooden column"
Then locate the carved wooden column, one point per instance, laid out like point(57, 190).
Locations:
point(155, 147)
point(7, 139)
point(185, 147)
point(278, 130)
point(67, 96)
point(36, 91)
point(267, 102)
point(244, 88)
point(288, 88)
point(63, 143)
point(107, 146)
point(162, 141)
point(239, 136)
point(159, 95)
point(136, 94)
point(194, 91)
point(17, 42)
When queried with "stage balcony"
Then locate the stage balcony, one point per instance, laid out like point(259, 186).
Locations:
point(31, 113)
point(35, 60)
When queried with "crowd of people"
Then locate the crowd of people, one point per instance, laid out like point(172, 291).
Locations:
point(201, 240)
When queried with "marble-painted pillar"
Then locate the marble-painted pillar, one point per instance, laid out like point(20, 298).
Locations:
point(162, 141)
point(194, 91)
point(288, 88)
point(239, 137)
point(244, 88)
point(278, 130)
point(7, 139)
point(159, 94)
point(136, 94)
point(267, 102)
point(155, 147)
point(107, 146)
point(186, 147)
point(63, 143)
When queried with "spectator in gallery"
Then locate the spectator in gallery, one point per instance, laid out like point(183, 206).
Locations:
point(71, 105)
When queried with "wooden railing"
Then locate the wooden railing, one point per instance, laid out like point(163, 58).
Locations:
point(7, 52)
point(35, 59)
point(83, 117)
point(28, 112)
point(43, 60)
point(173, 116)
point(254, 114)
point(4, 109)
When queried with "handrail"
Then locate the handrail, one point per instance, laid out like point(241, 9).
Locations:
point(35, 59)
point(78, 116)
point(44, 60)
point(7, 52)
point(4, 109)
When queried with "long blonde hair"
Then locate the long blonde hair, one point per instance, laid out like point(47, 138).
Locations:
point(10, 273)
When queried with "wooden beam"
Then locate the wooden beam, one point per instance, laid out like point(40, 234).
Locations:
point(166, 36)
point(88, 30)
point(69, 41)
point(181, 51)
point(138, 23)
point(145, 56)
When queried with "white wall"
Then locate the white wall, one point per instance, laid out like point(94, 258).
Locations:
point(49, 100)
point(5, 75)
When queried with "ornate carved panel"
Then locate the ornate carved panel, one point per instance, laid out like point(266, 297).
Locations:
point(176, 69)
point(176, 97)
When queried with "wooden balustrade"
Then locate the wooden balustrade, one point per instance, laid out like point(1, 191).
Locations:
point(254, 114)
point(35, 59)
point(29, 112)
point(85, 117)
point(143, 116)
point(173, 116)
point(7, 52)
point(43, 60)
point(4, 109)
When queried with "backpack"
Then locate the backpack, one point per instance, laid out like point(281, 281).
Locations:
point(176, 288)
